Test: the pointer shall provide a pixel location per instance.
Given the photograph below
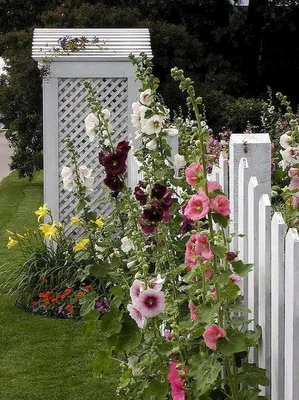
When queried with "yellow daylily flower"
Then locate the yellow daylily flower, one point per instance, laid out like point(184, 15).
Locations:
point(49, 230)
point(100, 222)
point(75, 220)
point(42, 211)
point(11, 242)
point(81, 245)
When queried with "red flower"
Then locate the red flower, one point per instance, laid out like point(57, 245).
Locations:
point(69, 308)
point(114, 182)
point(140, 194)
point(153, 212)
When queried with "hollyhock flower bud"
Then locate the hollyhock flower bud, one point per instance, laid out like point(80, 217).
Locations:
point(150, 302)
point(146, 97)
point(230, 256)
point(198, 207)
point(193, 173)
point(220, 204)
point(213, 293)
point(236, 279)
point(176, 382)
point(106, 114)
point(140, 319)
point(208, 273)
point(212, 334)
point(193, 310)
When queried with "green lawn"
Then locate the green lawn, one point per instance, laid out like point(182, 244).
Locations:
point(41, 358)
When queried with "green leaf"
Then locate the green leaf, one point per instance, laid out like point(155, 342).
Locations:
point(240, 268)
point(205, 371)
point(90, 322)
point(87, 303)
point(99, 270)
point(128, 338)
point(116, 290)
point(249, 394)
point(220, 251)
point(111, 322)
point(207, 312)
point(156, 390)
point(239, 308)
point(221, 220)
point(235, 342)
point(253, 337)
point(102, 361)
point(230, 291)
point(253, 375)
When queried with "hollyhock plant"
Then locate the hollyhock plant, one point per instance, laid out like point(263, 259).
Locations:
point(198, 207)
point(220, 205)
point(212, 334)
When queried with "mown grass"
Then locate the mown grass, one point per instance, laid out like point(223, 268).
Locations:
point(41, 358)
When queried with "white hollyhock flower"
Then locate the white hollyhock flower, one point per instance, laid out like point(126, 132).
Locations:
point(171, 131)
point(136, 107)
point(106, 114)
point(179, 161)
point(151, 145)
point(67, 178)
point(153, 125)
point(290, 156)
point(85, 177)
point(285, 140)
point(91, 123)
point(66, 172)
point(126, 245)
point(135, 119)
point(145, 97)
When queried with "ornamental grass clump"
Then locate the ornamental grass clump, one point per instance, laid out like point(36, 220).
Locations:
point(176, 322)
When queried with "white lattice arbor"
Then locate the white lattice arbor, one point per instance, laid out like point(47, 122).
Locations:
point(105, 65)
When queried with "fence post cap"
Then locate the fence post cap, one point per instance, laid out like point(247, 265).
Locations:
point(250, 138)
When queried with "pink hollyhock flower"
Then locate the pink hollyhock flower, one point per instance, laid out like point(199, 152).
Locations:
point(140, 319)
point(135, 290)
point(236, 279)
point(212, 334)
point(294, 184)
point(150, 302)
point(176, 383)
point(220, 204)
point(198, 207)
point(208, 273)
point(158, 283)
point(197, 245)
point(212, 186)
point(295, 200)
point(293, 172)
point(193, 310)
point(193, 172)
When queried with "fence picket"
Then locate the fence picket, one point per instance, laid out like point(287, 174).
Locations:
point(291, 354)
point(278, 232)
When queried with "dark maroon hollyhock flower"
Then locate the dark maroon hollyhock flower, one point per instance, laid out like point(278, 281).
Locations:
point(166, 215)
point(158, 191)
point(123, 147)
point(114, 163)
point(146, 227)
point(114, 182)
point(101, 157)
point(167, 200)
point(153, 212)
point(140, 194)
point(187, 223)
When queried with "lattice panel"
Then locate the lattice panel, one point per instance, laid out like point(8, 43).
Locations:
point(72, 110)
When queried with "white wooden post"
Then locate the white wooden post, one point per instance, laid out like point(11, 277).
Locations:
point(257, 149)
point(264, 278)
point(107, 68)
point(291, 355)
point(278, 231)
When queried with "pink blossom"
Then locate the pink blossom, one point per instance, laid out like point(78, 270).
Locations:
point(293, 172)
point(208, 273)
point(294, 184)
point(150, 302)
point(236, 279)
point(212, 334)
point(213, 293)
point(193, 172)
point(220, 204)
point(198, 207)
point(135, 290)
point(212, 186)
point(158, 283)
point(176, 383)
point(295, 200)
point(137, 316)
point(193, 310)
point(197, 245)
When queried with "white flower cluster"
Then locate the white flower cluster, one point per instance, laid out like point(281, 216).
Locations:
point(69, 182)
point(290, 154)
point(93, 123)
point(150, 124)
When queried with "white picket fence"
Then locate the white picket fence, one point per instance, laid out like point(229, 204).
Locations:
point(270, 289)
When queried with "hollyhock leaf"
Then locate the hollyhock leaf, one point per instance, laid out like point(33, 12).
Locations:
point(239, 308)
point(90, 322)
point(197, 333)
point(111, 322)
point(156, 390)
point(99, 270)
point(116, 290)
point(205, 371)
point(233, 343)
point(128, 338)
point(220, 251)
point(221, 220)
point(207, 312)
point(87, 303)
point(253, 337)
point(253, 375)
point(249, 394)
point(230, 291)
point(223, 277)
point(240, 268)
point(102, 362)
